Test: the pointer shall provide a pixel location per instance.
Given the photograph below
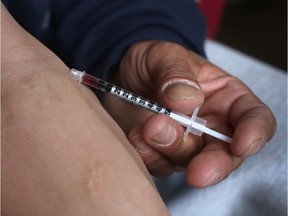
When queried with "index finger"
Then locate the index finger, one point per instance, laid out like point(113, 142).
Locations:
point(251, 120)
point(254, 124)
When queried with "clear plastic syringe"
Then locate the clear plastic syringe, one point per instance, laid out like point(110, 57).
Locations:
point(193, 124)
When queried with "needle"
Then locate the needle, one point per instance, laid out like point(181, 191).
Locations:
point(193, 124)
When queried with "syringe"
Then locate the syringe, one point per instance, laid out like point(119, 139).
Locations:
point(193, 124)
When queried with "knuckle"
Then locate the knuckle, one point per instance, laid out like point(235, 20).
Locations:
point(157, 165)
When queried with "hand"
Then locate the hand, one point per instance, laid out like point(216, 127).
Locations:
point(181, 80)
point(62, 154)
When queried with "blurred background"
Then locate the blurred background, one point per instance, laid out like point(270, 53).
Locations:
point(255, 27)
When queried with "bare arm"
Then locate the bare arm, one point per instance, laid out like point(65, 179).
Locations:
point(61, 153)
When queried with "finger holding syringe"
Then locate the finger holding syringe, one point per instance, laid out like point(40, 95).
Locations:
point(193, 124)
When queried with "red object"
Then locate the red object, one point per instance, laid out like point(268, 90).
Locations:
point(212, 10)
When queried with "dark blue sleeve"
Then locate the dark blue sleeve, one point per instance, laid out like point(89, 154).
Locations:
point(93, 35)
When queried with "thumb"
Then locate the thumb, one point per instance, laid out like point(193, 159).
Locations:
point(181, 94)
point(175, 71)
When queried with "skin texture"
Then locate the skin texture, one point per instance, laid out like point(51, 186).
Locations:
point(181, 80)
point(62, 154)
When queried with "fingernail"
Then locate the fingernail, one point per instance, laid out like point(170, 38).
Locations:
point(255, 147)
point(166, 137)
point(181, 90)
point(140, 145)
point(215, 178)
